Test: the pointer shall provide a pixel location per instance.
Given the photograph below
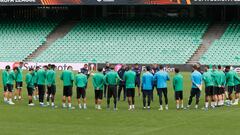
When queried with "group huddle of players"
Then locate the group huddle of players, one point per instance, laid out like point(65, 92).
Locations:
point(220, 83)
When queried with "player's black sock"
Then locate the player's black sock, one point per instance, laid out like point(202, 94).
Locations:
point(53, 97)
point(108, 103)
point(160, 100)
point(144, 101)
point(115, 102)
point(190, 100)
point(149, 101)
point(197, 101)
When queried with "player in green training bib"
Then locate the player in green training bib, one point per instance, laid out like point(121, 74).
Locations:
point(129, 78)
point(208, 80)
point(230, 77)
point(5, 74)
point(178, 88)
point(111, 79)
point(81, 83)
point(51, 85)
point(30, 86)
point(41, 82)
point(19, 82)
point(98, 83)
point(67, 77)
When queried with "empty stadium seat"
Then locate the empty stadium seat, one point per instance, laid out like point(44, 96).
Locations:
point(166, 41)
point(226, 50)
point(19, 38)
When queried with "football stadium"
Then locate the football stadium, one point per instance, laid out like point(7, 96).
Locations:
point(115, 67)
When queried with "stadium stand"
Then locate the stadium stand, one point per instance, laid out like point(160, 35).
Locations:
point(166, 41)
point(226, 50)
point(19, 38)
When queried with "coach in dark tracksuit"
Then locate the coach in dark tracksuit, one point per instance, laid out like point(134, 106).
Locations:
point(105, 71)
point(85, 71)
point(121, 85)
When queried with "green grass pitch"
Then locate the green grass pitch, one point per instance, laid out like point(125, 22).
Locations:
point(20, 119)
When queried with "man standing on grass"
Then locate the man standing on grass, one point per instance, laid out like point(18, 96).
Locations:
point(178, 88)
point(67, 77)
point(105, 71)
point(111, 79)
point(98, 82)
point(155, 69)
point(51, 85)
point(121, 85)
point(161, 78)
point(35, 94)
point(10, 82)
point(208, 80)
point(137, 70)
point(19, 82)
point(41, 82)
point(231, 76)
point(81, 82)
point(5, 75)
point(129, 78)
point(222, 86)
point(147, 85)
point(30, 86)
point(196, 78)
point(237, 88)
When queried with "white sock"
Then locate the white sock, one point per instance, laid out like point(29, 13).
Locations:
point(10, 99)
point(206, 104)
point(196, 106)
point(161, 106)
point(85, 105)
point(236, 100)
point(53, 104)
point(19, 97)
point(64, 104)
point(182, 105)
point(133, 106)
point(177, 105)
point(212, 104)
point(69, 105)
point(99, 107)
point(130, 106)
point(5, 99)
point(215, 103)
point(80, 106)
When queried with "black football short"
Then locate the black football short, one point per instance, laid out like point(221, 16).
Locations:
point(51, 90)
point(98, 94)
point(9, 87)
point(130, 92)
point(179, 95)
point(81, 92)
point(209, 91)
point(237, 88)
point(67, 91)
point(30, 91)
point(19, 85)
point(230, 89)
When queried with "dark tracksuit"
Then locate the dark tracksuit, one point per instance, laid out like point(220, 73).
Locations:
point(138, 75)
point(85, 72)
point(121, 85)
